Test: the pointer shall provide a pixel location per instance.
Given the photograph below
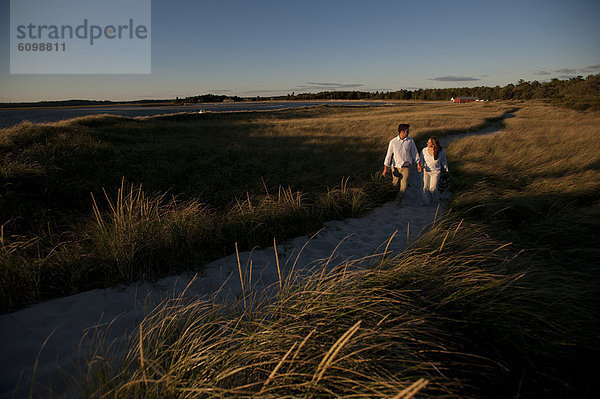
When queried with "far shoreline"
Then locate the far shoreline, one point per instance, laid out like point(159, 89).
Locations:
point(167, 103)
point(10, 117)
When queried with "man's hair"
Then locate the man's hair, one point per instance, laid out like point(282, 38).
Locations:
point(403, 126)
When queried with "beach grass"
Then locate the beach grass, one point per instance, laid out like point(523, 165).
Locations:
point(540, 182)
point(458, 315)
point(498, 298)
point(49, 170)
point(100, 200)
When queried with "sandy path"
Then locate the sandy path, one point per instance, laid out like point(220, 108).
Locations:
point(61, 323)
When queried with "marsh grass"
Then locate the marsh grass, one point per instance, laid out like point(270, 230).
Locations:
point(344, 201)
point(49, 170)
point(538, 185)
point(141, 232)
point(208, 181)
point(539, 181)
point(498, 298)
point(456, 315)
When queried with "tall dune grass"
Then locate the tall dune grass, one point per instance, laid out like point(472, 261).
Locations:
point(498, 299)
point(139, 236)
point(456, 315)
point(208, 181)
point(540, 180)
point(49, 170)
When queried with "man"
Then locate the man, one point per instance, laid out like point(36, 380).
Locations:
point(404, 153)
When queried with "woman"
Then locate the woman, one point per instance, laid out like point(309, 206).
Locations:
point(433, 162)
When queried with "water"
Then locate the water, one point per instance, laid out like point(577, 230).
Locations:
point(11, 117)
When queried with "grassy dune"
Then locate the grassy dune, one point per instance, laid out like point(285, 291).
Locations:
point(49, 170)
point(194, 185)
point(540, 182)
point(498, 299)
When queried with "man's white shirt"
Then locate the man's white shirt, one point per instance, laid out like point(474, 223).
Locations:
point(401, 152)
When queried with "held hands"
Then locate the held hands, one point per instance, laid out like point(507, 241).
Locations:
point(419, 167)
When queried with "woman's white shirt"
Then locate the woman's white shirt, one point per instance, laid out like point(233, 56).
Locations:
point(434, 165)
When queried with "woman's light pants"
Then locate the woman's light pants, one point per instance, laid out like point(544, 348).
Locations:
point(430, 181)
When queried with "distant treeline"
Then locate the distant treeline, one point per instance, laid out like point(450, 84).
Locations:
point(208, 98)
point(60, 103)
point(81, 103)
point(578, 93)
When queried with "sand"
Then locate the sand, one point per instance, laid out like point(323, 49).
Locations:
point(53, 331)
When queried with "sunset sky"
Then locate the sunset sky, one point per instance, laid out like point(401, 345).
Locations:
point(268, 47)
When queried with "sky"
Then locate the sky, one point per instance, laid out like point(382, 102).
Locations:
point(270, 48)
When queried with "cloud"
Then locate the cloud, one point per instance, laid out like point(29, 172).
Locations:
point(454, 79)
point(323, 84)
point(329, 86)
point(543, 73)
point(590, 69)
point(265, 92)
point(565, 73)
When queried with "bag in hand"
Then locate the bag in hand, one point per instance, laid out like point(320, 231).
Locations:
point(443, 181)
